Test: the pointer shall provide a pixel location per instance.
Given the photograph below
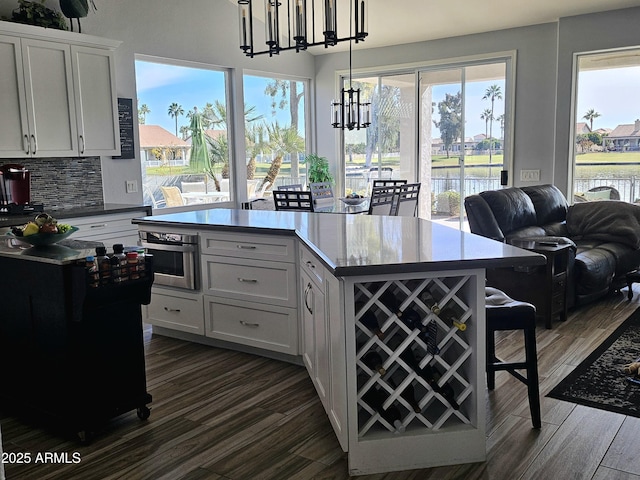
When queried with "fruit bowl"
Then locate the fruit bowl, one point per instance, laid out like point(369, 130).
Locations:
point(40, 239)
point(353, 200)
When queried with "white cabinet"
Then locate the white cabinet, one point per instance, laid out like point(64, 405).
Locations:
point(249, 284)
point(58, 98)
point(108, 228)
point(323, 346)
point(175, 309)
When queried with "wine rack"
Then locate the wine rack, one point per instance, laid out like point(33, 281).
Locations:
point(412, 355)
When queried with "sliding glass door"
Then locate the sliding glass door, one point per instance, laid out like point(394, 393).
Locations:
point(462, 135)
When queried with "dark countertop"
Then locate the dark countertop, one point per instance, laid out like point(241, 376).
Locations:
point(361, 244)
point(72, 212)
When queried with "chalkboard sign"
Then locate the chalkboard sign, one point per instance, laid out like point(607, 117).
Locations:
point(125, 114)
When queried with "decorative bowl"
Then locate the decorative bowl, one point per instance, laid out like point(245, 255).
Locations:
point(40, 239)
point(353, 200)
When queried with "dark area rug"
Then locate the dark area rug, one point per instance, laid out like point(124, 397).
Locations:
point(599, 381)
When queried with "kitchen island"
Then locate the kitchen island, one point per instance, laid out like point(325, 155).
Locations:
point(388, 318)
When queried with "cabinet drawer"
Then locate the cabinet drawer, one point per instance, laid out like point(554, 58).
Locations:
point(178, 311)
point(258, 325)
point(253, 280)
point(260, 247)
point(111, 228)
point(310, 264)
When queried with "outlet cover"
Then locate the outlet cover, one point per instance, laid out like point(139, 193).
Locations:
point(529, 175)
point(132, 186)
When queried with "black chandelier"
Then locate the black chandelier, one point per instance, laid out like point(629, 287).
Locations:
point(350, 112)
point(291, 25)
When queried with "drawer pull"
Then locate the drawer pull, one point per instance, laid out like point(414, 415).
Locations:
point(247, 247)
point(310, 265)
point(167, 309)
point(247, 280)
point(247, 324)
point(98, 225)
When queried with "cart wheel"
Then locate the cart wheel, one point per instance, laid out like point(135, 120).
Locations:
point(143, 412)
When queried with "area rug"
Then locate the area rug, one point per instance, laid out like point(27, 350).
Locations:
point(599, 381)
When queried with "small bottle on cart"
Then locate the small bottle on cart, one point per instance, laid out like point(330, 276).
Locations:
point(141, 263)
point(92, 269)
point(104, 265)
point(115, 269)
point(118, 252)
point(132, 265)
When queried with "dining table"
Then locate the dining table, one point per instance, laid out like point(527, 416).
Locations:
point(191, 198)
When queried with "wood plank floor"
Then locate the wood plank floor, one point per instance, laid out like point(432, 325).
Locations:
point(219, 414)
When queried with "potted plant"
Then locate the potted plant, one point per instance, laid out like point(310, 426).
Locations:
point(318, 169)
point(36, 13)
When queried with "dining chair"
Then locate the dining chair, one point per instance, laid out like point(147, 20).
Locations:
point(388, 183)
point(292, 200)
point(382, 200)
point(406, 201)
point(296, 187)
point(321, 193)
point(172, 196)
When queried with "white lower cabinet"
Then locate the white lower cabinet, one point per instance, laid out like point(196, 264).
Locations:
point(323, 346)
point(270, 327)
point(176, 310)
point(109, 228)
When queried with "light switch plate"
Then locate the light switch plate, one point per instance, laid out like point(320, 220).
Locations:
point(529, 175)
point(132, 186)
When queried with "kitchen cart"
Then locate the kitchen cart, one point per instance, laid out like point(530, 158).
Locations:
point(72, 353)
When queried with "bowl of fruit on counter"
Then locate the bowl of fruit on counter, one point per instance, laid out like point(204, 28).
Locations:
point(42, 230)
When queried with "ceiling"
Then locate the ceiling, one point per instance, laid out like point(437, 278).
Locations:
point(406, 21)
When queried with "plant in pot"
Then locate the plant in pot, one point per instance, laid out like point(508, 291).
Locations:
point(318, 169)
point(36, 13)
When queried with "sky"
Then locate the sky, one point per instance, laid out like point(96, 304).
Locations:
point(160, 85)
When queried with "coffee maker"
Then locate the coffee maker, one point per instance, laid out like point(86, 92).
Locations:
point(15, 189)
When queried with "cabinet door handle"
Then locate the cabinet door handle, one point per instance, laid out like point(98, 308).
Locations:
point(306, 298)
point(35, 144)
point(98, 225)
point(310, 265)
point(247, 324)
point(247, 280)
point(81, 144)
point(167, 309)
point(25, 144)
point(247, 247)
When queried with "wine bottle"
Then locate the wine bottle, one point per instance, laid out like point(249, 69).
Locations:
point(449, 317)
point(410, 359)
point(391, 302)
point(370, 321)
point(432, 376)
point(373, 360)
point(375, 399)
point(430, 301)
point(409, 394)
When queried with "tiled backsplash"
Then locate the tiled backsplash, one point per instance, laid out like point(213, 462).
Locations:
point(64, 182)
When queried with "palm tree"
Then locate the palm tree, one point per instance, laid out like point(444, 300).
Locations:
point(175, 111)
point(282, 140)
point(487, 117)
point(590, 116)
point(184, 131)
point(492, 93)
point(255, 143)
point(143, 110)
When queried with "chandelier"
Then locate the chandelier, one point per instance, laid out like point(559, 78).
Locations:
point(291, 25)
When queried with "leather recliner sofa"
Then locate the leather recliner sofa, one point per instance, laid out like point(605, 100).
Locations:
point(601, 257)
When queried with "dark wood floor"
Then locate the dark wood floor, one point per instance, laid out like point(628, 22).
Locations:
point(218, 414)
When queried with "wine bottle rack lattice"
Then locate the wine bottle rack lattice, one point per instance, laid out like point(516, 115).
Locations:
point(412, 354)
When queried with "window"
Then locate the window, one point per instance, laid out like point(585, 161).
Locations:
point(184, 138)
point(275, 132)
point(445, 126)
point(606, 143)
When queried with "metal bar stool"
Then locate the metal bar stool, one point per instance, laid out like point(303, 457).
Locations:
point(505, 313)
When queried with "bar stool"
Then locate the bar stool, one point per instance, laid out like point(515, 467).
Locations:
point(503, 314)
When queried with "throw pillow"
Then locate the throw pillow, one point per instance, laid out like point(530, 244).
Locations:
point(603, 195)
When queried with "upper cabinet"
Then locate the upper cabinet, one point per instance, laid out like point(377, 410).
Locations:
point(59, 97)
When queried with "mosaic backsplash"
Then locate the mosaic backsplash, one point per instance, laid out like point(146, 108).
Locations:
point(64, 182)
